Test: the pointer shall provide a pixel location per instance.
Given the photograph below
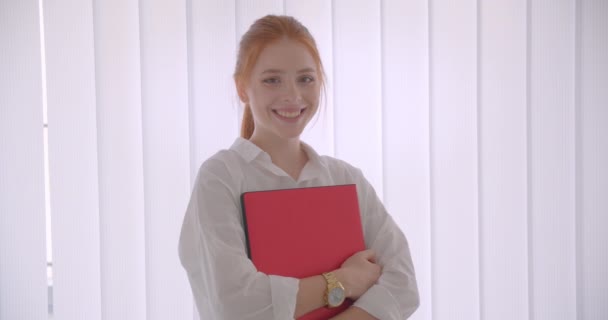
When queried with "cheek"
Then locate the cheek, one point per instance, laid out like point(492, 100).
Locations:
point(263, 97)
point(313, 97)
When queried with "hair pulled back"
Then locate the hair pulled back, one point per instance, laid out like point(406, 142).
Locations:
point(262, 32)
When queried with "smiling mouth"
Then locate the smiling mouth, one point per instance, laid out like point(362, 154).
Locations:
point(289, 114)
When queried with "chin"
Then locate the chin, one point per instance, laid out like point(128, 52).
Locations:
point(289, 133)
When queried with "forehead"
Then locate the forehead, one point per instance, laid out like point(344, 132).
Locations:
point(286, 55)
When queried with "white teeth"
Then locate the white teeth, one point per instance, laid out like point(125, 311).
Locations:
point(286, 114)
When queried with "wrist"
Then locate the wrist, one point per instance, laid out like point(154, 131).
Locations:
point(341, 275)
point(336, 293)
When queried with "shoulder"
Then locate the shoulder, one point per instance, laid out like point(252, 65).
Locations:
point(217, 185)
point(344, 172)
point(339, 166)
point(225, 166)
point(335, 168)
point(341, 169)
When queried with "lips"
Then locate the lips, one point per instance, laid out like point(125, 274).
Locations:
point(289, 113)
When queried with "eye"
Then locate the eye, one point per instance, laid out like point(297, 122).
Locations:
point(272, 81)
point(306, 79)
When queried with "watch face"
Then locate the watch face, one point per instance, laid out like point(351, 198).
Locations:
point(335, 296)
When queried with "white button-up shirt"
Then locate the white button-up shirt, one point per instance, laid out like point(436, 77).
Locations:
point(212, 247)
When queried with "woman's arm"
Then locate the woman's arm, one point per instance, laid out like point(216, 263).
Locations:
point(354, 313)
point(212, 248)
point(225, 283)
point(357, 274)
point(310, 295)
point(395, 295)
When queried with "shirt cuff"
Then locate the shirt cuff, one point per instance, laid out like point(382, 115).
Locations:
point(284, 295)
point(380, 303)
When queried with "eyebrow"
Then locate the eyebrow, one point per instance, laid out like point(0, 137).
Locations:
point(305, 70)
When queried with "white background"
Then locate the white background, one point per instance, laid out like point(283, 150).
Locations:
point(482, 124)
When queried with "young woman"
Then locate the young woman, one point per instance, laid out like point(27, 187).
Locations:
point(279, 78)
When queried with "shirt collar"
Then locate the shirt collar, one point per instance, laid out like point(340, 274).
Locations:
point(249, 152)
point(313, 156)
point(247, 149)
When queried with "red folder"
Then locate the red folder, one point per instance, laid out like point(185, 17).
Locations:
point(303, 232)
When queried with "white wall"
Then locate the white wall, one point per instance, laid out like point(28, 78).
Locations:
point(485, 127)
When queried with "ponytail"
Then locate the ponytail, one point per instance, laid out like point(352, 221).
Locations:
point(247, 123)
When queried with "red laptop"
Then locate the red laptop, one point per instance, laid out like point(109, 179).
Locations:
point(303, 232)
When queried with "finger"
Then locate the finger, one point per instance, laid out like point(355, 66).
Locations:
point(379, 270)
point(369, 255)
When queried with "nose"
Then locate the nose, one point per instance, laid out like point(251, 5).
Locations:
point(292, 92)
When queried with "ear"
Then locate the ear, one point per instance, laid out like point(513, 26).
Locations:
point(240, 89)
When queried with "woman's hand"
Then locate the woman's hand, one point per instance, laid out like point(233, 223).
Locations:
point(358, 273)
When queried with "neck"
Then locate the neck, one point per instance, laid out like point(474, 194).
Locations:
point(286, 154)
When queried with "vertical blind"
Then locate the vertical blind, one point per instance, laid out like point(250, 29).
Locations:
point(483, 125)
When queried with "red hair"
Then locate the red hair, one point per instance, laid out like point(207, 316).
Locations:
point(261, 33)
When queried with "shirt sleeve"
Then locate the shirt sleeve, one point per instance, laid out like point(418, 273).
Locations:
point(395, 295)
point(225, 283)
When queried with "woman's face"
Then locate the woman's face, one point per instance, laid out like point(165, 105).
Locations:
point(283, 91)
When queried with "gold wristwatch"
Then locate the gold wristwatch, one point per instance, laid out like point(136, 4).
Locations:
point(335, 294)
